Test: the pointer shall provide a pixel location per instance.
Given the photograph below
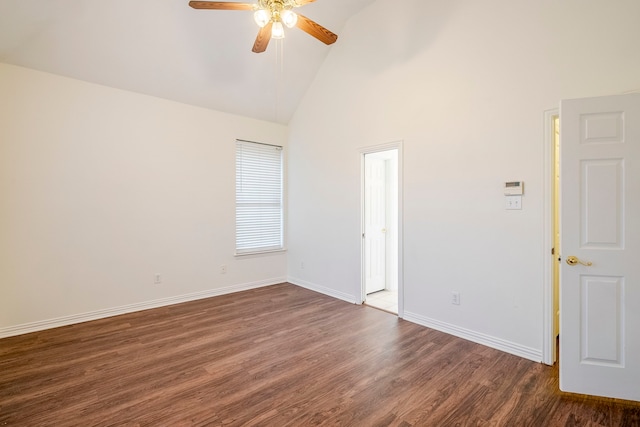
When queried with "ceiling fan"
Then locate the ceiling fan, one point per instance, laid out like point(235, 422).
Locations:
point(270, 15)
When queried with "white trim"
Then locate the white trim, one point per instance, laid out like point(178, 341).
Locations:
point(397, 145)
point(246, 254)
point(548, 340)
point(477, 337)
point(381, 147)
point(400, 230)
point(115, 311)
point(324, 290)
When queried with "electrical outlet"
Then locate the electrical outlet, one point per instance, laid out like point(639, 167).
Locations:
point(223, 269)
point(455, 298)
point(157, 279)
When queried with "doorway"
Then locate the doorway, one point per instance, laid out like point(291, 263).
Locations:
point(380, 228)
point(555, 251)
point(552, 241)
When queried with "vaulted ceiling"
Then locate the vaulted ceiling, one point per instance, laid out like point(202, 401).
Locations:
point(164, 48)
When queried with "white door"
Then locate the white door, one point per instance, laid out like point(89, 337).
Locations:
point(600, 223)
point(375, 223)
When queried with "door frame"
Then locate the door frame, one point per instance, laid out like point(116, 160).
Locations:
point(548, 340)
point(397, 145)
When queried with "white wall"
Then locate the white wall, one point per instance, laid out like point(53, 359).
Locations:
point(464, 84)
point(100, 189)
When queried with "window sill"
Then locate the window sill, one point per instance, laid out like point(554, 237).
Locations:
point(257, 253)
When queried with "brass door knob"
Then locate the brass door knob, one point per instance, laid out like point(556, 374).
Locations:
point(574, 260)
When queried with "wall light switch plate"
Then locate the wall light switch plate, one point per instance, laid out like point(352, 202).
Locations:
point(513, 203)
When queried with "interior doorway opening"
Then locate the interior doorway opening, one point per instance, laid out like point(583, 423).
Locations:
point(552, 229)
point(381, 230)
point(555, 251)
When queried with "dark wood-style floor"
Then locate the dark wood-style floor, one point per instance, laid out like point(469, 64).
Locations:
point(278, 356)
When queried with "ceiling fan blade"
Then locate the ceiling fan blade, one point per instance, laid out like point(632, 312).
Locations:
point(220, 5)
point(316, 30)
point(303, 2)
point(262, 41)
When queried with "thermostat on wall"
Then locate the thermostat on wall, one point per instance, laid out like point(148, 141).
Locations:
point(513, 188)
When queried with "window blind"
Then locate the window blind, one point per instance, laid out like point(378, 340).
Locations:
point(258, 197)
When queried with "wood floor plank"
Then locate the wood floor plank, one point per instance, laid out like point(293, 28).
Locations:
point(279, 356)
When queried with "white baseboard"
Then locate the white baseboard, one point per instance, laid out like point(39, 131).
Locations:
point(487, 340)
point(323, 290)
point(109, 312)
point(477, 337)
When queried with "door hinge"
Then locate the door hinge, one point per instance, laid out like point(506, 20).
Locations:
point(553, 251)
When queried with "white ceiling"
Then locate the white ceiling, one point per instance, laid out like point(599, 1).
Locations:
point(166, 49)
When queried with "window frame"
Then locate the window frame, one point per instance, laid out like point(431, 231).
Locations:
point(240, 247)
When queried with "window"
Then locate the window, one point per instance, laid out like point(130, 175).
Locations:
point(258, 197)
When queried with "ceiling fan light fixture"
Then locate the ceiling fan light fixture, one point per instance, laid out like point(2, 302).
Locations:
point(289, 18)
point(277, 30)
point(262, 17)
point(271, 16)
